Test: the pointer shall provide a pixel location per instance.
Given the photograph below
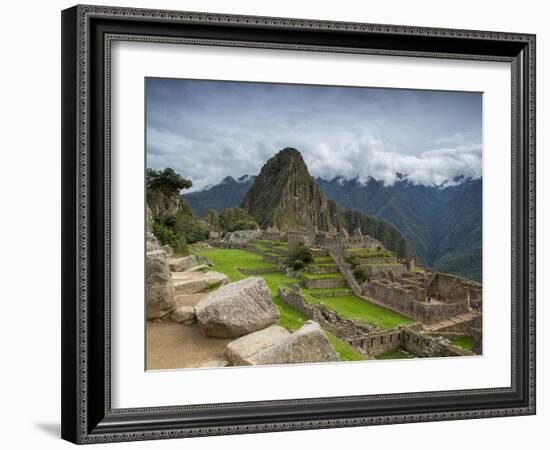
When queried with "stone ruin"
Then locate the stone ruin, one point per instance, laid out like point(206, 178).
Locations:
point(429, 298)
point(370, 340)
point(242, 310)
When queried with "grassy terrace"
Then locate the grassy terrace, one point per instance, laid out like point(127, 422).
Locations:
point(465, 342)
point(352, 307)
point(227, 261)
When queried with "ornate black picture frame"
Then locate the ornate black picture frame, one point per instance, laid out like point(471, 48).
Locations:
point(87, 34)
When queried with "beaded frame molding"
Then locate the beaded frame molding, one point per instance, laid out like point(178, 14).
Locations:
point(87, 35)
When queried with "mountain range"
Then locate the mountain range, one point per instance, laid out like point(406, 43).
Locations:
point(442, 223)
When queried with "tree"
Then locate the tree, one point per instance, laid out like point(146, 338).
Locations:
point(299, 257)
point(167, 181)
point(361, 274)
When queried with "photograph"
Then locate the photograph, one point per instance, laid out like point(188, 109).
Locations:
point(303, 223)
point(273, 222)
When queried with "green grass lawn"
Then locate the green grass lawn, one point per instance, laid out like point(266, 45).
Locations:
point(395, 354)
point(352, 307)
point(227, 261)
point(465, 342)
point(321, 276)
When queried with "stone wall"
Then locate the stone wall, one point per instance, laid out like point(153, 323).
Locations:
point(429, 347)
point(296, 237)
point(226, 244)
point(378, 260)
point(447, 288)
point(406, 301)
point(273, 236)
point(378, 270)
point(375, 344)
point(319, 270)
point(324, 283)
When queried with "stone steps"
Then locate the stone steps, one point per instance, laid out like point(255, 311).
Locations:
point(450, 321)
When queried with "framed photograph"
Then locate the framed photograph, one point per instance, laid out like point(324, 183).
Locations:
point(280, 224)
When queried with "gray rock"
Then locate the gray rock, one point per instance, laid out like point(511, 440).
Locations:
point(193, 282)
point(184, 314)
point(183, 264)
point(151, 242)
point(168, 250)
point(199, 268)
point(237, 309)
point(240, 349)
point(205, 260)
point(159, 285)
point(309, 344)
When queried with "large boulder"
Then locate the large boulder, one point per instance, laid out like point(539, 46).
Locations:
point(309, 344)
point(193, 282)
point(237, 309)
point(188, 263)
point(160, 286)
point(240, 349)
point(183, 264)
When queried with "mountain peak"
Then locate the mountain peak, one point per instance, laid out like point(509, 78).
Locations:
point(289, 152)
point(228, 179)
point(285, 195)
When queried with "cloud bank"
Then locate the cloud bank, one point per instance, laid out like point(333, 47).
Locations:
point(207, 130)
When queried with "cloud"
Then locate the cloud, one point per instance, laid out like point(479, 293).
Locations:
point(208, 130)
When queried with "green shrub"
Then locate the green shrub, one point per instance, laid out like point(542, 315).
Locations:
point(166, 236)
point(299, 257)
point(352, 260)
point(361, 274)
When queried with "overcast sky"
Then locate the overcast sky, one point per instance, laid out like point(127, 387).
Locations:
point(207, 130)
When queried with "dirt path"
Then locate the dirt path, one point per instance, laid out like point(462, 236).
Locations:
point(171, 345)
